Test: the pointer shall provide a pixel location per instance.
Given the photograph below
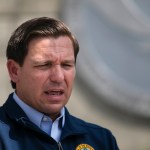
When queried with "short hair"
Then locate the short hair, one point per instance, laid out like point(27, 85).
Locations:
point(17, 47)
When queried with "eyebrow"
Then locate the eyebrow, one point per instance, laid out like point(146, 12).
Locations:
point(69, 61)
point(36, 62)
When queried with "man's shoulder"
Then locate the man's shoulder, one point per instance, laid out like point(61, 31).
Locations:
point(3, 115)
point(3, 120)
point(96, 133)
point(90, 127)
point(2, 112)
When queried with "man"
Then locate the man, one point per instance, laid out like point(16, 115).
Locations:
point(41, 58)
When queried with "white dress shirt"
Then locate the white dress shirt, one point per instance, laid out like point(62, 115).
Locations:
point(44, 122)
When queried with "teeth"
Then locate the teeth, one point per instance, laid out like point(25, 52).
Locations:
point(54, 92)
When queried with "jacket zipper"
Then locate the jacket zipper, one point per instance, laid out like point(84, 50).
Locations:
point(60, 146)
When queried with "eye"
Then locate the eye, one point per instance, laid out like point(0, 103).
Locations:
point(67, 65)
point(43, 66)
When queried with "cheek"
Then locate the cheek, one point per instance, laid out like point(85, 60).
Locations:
point(39, 75)
point(71, 78)
point(32, 79)
point(38, 80)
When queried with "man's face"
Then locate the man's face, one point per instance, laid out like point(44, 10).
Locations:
point(46, 78)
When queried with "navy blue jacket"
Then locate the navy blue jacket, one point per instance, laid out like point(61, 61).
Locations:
point(17, 132)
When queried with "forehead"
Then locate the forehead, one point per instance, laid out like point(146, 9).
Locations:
point(63, 41)
point(39, 47)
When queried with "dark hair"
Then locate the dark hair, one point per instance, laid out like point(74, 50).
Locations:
point(17, 48)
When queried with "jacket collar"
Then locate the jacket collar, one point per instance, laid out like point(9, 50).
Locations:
point(13, 110)
point(17, 115)
point(73, 126)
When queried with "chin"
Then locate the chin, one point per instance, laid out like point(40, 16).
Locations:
point(55, 109)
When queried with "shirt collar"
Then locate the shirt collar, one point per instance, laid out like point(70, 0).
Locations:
point(35, 116)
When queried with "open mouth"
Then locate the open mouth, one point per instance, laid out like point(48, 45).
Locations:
point(54, 92)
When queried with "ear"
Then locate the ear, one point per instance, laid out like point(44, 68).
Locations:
point(13, 70)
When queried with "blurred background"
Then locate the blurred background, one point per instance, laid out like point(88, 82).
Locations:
point(112, 87)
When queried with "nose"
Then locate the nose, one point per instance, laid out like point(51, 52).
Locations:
point(56, 74)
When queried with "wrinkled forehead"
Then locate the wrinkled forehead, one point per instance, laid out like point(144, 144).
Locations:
point(61, 41)
point(51, 47)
